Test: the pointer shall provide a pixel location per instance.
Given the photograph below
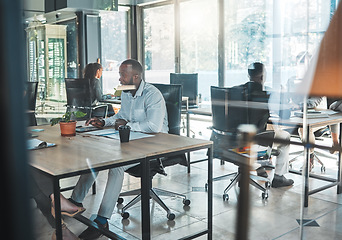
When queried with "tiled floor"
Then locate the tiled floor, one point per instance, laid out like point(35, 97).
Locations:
point(274, 218)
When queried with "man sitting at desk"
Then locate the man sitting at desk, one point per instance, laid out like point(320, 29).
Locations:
point(257, 77)
point(144, 110)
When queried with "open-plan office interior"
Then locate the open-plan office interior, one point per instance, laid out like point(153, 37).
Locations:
point(217, 45)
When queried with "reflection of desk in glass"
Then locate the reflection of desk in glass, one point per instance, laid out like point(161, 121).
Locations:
point(312, 123)
point(298, 122)
point(201, 111)
point(84, 153)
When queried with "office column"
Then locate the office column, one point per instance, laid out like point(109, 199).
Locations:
point(276, 45)
point(221, 45)
point(89, 38)
point(177, 37)
point(15, 187)
point(133, 32)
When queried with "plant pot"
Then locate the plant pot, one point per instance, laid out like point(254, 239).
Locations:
point(68, 129)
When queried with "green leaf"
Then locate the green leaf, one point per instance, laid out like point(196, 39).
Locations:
point(54, 121)
point(79, 114)
point(66, 117)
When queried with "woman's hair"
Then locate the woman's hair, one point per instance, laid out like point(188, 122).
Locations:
point(90, 70)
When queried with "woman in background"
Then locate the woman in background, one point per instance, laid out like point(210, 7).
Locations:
point(93, 72)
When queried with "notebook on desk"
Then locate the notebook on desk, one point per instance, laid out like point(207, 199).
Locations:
point(34, 143)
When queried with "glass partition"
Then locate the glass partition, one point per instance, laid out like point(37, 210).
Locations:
point(114, 47)
point(277, 33)
point(198, 42)
point(159, 44)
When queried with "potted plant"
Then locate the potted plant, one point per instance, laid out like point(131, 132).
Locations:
point(68, 126)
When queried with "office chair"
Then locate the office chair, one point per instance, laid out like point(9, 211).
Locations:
point(79, 97)
point(227, 116)
point(318, 135)
point(173, 98)
point(30, 97)
point(189, 82)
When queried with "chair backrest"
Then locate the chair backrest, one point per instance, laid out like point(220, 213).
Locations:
point(226, 117)
point(234, 106)
point(172, 94)
point(31, 95)
point(30, 98)
point(189, 82)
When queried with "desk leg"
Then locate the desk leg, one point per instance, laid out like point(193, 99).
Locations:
point(210, 193)
point(145, 199)
point(58, 216)
point(306, 173)
point(339, 173)
point(188, 134)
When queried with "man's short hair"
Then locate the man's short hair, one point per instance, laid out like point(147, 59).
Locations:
point(135, 65)
point(255, 70)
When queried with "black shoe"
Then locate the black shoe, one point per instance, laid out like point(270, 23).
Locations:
point(92, 233)
point(281, 181)
point(75, 203)
point(261, 172)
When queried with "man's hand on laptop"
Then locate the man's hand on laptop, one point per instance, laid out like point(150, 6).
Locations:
point(95, 122)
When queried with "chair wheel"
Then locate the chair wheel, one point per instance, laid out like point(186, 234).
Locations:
point(120, 200)
point(225, 197)
point(267, 184)
point(125, 215)
point(186, 202)
point(323, 169)
point(171, 216)
point(206, 187)
point(264, 195)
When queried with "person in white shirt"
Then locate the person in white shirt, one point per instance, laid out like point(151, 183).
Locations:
point(142, 109)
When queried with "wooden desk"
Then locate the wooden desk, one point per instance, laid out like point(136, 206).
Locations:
point(83, 153)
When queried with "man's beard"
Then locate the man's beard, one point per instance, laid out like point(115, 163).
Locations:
point(130, 83)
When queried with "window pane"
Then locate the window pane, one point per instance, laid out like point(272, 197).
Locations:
point(277, 33)
point(114, 47)
point(198, 33)
point(159, 43)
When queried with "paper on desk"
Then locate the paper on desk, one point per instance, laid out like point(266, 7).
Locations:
point(35, 143)
point(112, 133)
point(103, 132)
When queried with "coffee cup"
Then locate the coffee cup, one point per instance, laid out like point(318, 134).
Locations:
point(124, 132)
